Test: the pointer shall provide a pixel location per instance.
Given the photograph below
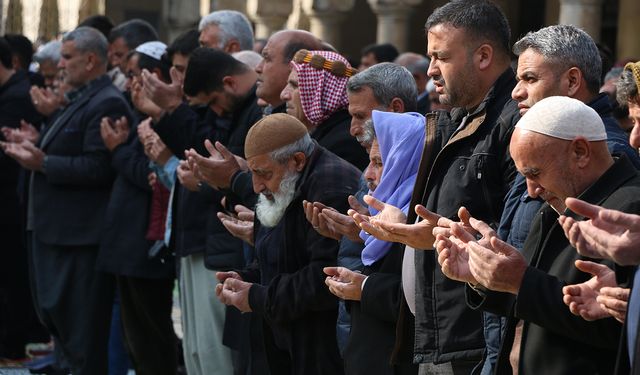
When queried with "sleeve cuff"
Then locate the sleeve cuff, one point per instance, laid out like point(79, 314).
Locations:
point(257, 298)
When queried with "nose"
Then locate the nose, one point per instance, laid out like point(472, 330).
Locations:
point(519, 93)
point(534, 189)
point(285, 94)
point(634, 137)
point(369, 176)
point(356, 127)
point(258, 186)
point(61, 63)
point(258, 68)
point(433, 71)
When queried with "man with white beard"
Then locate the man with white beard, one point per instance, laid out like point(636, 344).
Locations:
point(286, 288)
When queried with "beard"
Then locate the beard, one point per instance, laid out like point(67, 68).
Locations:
point(368, 134)
point(271, 211)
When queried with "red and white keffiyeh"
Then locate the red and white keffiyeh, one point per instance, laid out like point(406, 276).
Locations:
point(321, 92)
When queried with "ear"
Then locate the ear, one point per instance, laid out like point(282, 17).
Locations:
point(581, 151)
point(300, 160)
point(91, 61)
point(232, 46)
point(397, 105)
point(574, 81)
point(15, 62)
point(483, 56)
point(229, 83)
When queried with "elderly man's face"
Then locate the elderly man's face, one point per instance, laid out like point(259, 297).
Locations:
point(273, 70)
point(210, 37)
point(291, 95)
point(536, 80)
point(546, 164)
point(634, 115)
point(267, 174)
point(373, 173)
point(49, 72)
point(117, 53)
point(451, 65)
point(74, 63)
point(361, 104)
point(132, 71)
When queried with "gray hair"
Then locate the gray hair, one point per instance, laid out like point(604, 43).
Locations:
point(284, 153)
point(566, 46)
point(49, 52)
point(88, 39)
point(233, 25)
point(626, 88)
point(387, 81)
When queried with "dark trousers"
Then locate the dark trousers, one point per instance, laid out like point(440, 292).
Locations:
point(145, 305)
point(19, 324)
point(74, 302)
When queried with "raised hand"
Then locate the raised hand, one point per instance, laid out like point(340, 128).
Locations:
point(241, 226)
point(217, 169)
point(114, 133)
point(344, 283)
point(609, 234)
point(498, 266)
point(584, 299)
point(163, 95)
point(26, 132)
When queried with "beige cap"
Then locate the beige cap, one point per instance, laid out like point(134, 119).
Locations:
point(271, 133)
point(563, 117)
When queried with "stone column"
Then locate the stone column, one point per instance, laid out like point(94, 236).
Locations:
point(49, 19)
point(628, 29)
point(13, 24)
point(585, 14)
point(297, 19)
point(393, 21)
point(179, 15)
point(325, 18)
point(89, 8)
point(269, 15)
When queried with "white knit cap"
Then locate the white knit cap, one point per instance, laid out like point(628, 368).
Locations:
point(154, 49)
point(564, 118)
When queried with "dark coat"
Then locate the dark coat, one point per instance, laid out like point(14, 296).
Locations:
point(554, 341)
point(15, 105)
point(468, 167)
point(373, 320)
point(196, 227)
point(70, 198)
point(124, 248)
point(296, 303)
point(333, 134)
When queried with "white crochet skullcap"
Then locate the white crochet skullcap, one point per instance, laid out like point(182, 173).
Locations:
point(563, 118)
point(154, 49)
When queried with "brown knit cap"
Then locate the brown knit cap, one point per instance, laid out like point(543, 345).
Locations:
point(271, 133)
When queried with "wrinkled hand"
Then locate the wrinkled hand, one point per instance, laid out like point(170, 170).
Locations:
point(25, 153)
point(114, 133)
point(443, 224)
point(498, 266)
point(588, 300)
point(26, 132)
point(453, 257)
point(331, 220)
point(45, 101)
point(145, 130)
point(152, 178)
point(217, 169)
point(241, 226)
point(390, 225)
point(167, 96)
point(234, 292)
point(344, 283)
point(143, 103)
point(610, 234)
point(158, 152)
point(186, 177)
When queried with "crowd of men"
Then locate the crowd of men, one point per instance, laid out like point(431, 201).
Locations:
point(454, 212)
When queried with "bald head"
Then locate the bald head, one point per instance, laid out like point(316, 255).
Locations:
point(418, 65)
point(556, 169)
point(274, 70)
